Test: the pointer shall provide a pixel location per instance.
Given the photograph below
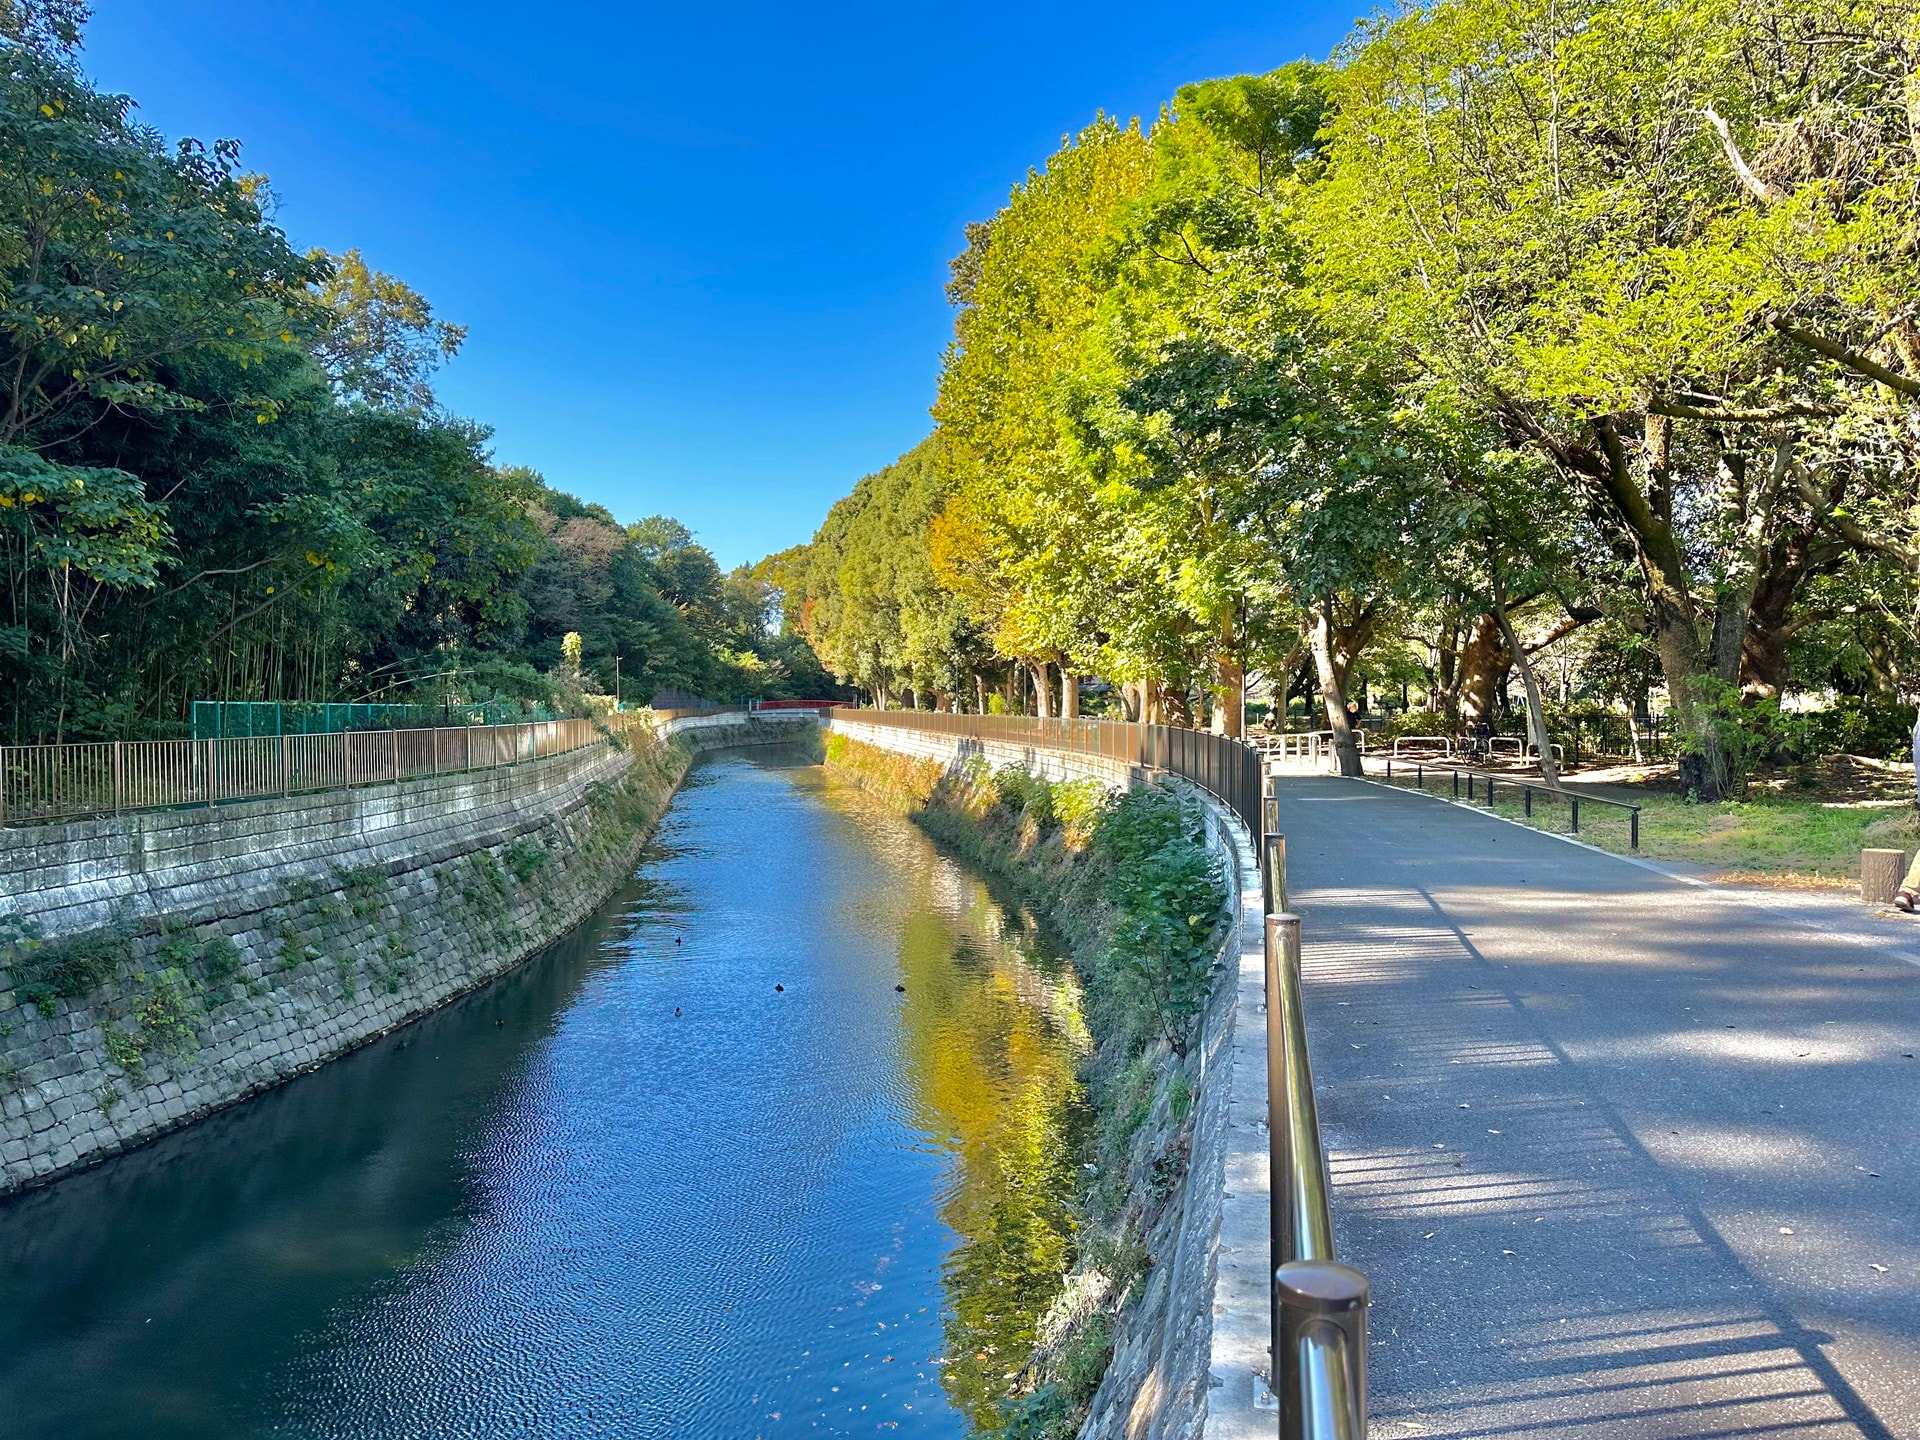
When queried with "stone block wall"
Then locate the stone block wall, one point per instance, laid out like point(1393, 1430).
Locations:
point(155, 967)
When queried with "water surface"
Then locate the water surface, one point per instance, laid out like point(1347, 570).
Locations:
point(702, 1170)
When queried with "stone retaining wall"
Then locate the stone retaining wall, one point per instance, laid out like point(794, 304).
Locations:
point(155, 967)
point(1191, 1356)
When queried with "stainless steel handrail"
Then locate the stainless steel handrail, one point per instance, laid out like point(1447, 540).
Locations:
point(1319, 1305)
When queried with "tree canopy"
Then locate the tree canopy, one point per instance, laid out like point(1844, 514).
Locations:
point(224, 472)
point(1512, 330)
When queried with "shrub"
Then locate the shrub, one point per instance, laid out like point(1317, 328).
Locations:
point(123, 1048)
point(219, 960)
point(1024, 794)
point(1080, 805)
point(524, 857)
point(47, 971)
point(368, 889)
point(1878, 725)
point(170, 1017)
point(1168, 896)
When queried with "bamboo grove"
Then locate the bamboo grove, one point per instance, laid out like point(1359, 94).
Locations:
point(224, 474)
point(1569, 342)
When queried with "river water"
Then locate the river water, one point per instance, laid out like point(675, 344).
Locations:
point(701, 1170)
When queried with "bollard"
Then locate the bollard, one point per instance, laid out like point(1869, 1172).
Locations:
point(1881, 872)
point(1320, 1350)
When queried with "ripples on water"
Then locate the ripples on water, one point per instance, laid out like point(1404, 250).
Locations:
point(560, 1208)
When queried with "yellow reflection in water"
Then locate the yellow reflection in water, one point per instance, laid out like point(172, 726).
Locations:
point(992, 1038)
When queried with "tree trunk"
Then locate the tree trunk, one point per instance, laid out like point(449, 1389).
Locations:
point(1175, 706)
point(1069, 694)
point(1671, 607)
point(1332, 670)
point(1536, 717)
point(1038, 670)
point(980, 690)
point(1482, 673)
point(1445, 699)
point(1229, 679)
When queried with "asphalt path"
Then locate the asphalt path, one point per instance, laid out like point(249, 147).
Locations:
point(1624, 1156)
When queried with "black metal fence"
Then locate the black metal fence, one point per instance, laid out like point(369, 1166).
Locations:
point(1225, 768)
point(1537, 800)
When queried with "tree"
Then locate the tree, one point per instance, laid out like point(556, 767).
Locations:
point(377, 335)
point(1559, 227)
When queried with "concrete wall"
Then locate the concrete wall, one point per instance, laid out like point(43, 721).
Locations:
point(1191, 1356)
point(155, 967)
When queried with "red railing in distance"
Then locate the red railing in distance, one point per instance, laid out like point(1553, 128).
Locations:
point(803, 705)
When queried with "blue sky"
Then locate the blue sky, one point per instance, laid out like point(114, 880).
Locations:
point(701, 248)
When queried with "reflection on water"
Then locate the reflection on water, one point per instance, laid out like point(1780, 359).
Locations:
point(630, 1190)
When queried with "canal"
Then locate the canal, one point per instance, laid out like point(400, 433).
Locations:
point(777, 1144)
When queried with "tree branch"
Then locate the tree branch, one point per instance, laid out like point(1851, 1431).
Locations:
point(1852, 359)
point(1850, 529)
point(1760, 190)
point(1736, 415)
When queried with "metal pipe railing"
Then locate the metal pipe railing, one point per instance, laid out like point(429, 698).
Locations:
point(1488, 782)
point(64, 782)
point(1319, 1305)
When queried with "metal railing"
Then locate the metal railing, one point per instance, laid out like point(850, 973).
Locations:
point(1223, 767)
point(66, 782)
point(1483, 785)
point(1313, 746)
point(1319, 1305)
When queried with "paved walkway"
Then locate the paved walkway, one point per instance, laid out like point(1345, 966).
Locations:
point(1624, 1156)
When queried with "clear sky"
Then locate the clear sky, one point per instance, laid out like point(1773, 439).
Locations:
point(701, 247)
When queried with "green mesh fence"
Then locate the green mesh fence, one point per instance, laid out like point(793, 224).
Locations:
point(224, 719)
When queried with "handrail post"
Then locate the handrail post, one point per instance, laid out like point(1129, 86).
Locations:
point(119, 781)
point(1273, 872)
point(1320, 1350)
point(1634, 843)
point(1575, 799)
